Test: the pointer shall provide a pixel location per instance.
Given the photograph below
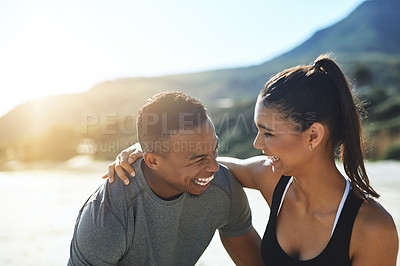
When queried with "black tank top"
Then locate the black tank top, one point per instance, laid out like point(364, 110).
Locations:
point(335, 253)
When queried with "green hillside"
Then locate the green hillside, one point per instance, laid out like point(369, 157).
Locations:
point(101, 121)
point(371, 28)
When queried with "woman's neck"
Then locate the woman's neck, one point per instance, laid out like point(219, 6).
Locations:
point(319, 185)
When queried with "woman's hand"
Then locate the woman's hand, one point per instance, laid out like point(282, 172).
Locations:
point(123, 162)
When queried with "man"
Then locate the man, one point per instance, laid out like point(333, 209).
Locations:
point(169, 212)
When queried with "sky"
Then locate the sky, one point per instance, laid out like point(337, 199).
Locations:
point(52, 47)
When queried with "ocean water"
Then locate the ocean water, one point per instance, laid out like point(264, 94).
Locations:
point(39, 208)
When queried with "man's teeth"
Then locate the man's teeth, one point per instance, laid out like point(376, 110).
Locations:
point(203, 181)
point(273, 158)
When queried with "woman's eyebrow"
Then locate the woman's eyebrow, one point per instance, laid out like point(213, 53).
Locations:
point(264, 127)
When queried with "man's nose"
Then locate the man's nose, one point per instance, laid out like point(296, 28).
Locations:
point(213, 165)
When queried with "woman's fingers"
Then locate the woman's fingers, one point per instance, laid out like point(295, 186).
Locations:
point(134, 156)
point(118, 168)
point(121, 174)
point(110, 173)
point(123, 162)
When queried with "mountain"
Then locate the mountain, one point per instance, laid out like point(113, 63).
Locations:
point(372, 28)
point(367, 41)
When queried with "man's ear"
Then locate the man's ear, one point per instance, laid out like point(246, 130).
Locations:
point(316, 134)
point(152, 160)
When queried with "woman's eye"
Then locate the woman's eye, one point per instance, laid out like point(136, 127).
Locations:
point(268, 134)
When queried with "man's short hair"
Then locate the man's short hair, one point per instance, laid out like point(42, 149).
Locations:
point(166, 114)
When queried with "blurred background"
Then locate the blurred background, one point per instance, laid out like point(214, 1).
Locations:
point(74, 73)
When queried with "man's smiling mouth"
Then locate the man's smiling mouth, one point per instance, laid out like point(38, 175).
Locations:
point(203, 181)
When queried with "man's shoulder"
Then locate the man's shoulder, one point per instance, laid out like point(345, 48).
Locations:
point(224, 174)
point(118, 189)
point(116, 197)
point(224, 180)
point(101, 230)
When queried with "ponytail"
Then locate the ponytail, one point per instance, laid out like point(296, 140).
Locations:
point(350, 133)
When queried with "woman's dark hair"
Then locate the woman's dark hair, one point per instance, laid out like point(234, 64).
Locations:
point(321, 93)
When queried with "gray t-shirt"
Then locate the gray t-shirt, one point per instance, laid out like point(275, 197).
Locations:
point(130, 225)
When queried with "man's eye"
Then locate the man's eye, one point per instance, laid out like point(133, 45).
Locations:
point(268, 134)
point(198, 161)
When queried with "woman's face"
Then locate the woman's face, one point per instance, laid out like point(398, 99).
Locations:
point(285, 147)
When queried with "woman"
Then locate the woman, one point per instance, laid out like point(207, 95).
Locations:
point(318, 216)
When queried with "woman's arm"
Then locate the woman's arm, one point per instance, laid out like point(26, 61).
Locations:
point(249, 171)
point(254, 172)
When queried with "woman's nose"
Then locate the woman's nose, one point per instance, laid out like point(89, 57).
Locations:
point(256, 142)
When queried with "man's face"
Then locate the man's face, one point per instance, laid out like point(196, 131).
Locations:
point(190, 164)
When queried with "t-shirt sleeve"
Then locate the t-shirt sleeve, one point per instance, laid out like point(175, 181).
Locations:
point(100, 231)
point(239, 219)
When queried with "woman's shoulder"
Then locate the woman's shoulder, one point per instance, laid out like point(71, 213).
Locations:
point(373, 218)
point(374, 232)
point(265, 176)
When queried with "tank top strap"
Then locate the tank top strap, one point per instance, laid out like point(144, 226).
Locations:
point(343, 230)
point(278, 194)
point(341, 205)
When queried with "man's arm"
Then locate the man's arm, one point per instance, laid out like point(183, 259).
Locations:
point(238, 236)
point(243, 250)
